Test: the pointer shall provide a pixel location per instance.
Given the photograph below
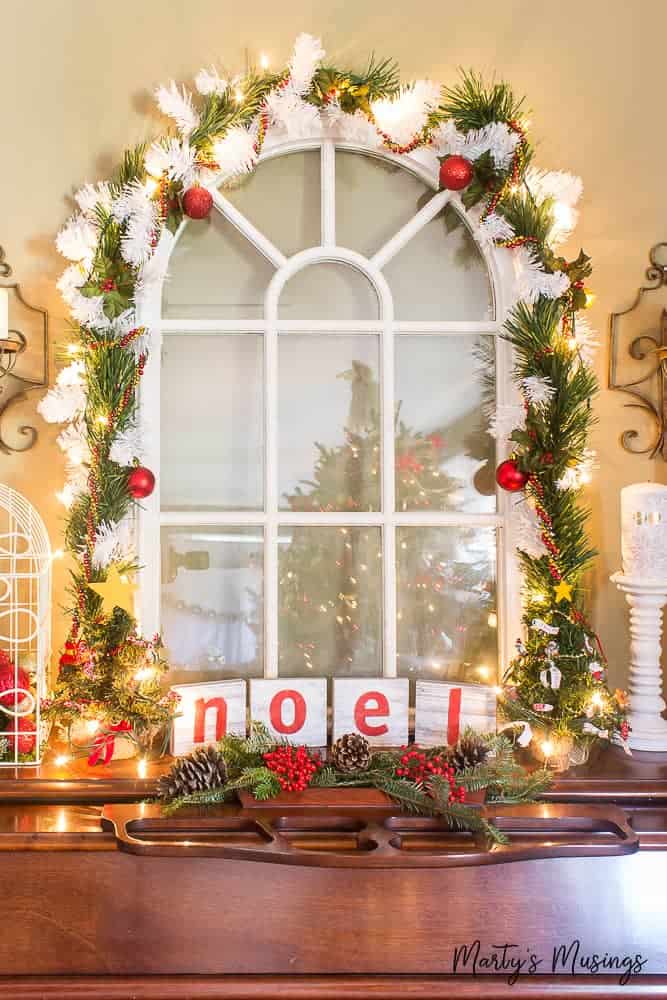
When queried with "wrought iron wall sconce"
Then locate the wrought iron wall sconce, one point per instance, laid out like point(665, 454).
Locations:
point(650, 389)
point(13, 346)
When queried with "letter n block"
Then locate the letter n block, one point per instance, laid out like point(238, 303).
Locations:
point(207, 713)
point(375, 707)
point(293, 709)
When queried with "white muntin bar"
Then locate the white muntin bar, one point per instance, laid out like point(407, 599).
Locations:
point(245, 226)
point(410, 229)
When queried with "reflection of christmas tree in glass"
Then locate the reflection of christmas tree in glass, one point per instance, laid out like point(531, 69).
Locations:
point(331, 577)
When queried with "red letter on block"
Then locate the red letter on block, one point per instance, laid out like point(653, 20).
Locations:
point(201, 708)
point(363, 710)
point(276, 711)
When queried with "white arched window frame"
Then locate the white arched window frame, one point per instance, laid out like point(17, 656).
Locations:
point(424, 165)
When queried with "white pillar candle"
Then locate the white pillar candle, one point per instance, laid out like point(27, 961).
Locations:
point(4, 313)
point(644, 532)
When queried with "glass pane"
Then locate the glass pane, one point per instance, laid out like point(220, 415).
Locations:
point(446, 586)
point(328, 435)
point(374, 199)
point(215, 272)
point(282, 199)
point(212, 422)
point(440, 274)
point(445, 393)
point(212, 581)
point(330, 292)
point(330, 601)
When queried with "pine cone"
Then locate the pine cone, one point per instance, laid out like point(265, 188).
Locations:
point(470, 751)
point(351, 753)
point(202, 769)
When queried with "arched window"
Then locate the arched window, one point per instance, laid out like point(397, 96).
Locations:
point(319, 416)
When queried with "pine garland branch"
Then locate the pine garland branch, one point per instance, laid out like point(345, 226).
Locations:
point(472, 103)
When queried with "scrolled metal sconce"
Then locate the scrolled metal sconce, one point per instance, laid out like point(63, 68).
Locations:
point(650, 390)
point(13, 343)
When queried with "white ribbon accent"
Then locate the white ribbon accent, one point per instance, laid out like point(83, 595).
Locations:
point(542, 626)
point(595, 667)
point(589, 728)
point(551, 677)
point(526, 734)
point(542, 706)
point(587, 644)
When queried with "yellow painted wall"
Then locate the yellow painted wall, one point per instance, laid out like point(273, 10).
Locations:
point(76, 78)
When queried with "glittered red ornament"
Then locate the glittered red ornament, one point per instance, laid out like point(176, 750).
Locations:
point(197, 202)
point(510, 477)
point(27, 732)
point(140, 482)
point(10, 679)
point(455, 173)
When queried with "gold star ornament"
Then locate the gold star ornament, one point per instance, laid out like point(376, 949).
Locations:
point(117, 591)
point(563, 591)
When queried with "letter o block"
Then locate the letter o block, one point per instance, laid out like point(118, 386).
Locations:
point(293, 709)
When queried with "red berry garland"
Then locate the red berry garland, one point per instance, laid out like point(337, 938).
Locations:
point(415, 766)
point(294, 767)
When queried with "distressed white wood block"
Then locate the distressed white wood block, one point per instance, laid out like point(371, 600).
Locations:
point(208, 711)
point(443, 711)
point(294, 708)
point(375, 707)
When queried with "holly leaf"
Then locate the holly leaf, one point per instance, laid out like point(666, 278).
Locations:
point(90, 290)
point(115, 304)
point(173, 220)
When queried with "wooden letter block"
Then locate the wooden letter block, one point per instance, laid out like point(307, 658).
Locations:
point(375, 707)
point(443, 711)
point(208, 712)
point(294, 709)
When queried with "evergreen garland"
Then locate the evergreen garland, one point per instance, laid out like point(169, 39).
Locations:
point(111, 243)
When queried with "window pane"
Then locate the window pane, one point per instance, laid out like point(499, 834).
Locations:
point(212, 602)
point(212, 422)
point(330, 601)
point(329, 444)
point(214, 272)
point(445, 392)
point(329, 291)
point(374, 199)
point(440, 274)
point(446, 590)
point(282, 199)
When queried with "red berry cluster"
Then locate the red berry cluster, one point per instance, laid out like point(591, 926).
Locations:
point(625, 730)
point(293, 766)
point(417, 767)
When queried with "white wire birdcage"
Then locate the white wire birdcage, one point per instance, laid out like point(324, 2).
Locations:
point(25, 628)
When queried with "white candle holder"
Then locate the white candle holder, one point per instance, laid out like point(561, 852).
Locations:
point(646, 600)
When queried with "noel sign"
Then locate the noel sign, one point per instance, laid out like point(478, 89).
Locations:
point(295, 709)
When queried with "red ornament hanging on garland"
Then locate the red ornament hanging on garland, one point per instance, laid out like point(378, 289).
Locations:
point(510, 477)
point(10, 680)
point(197, 202)
point(140, 482)
point(25, 739)
point(455, 173)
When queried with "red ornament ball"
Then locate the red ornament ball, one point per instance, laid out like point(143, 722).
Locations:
point(140, 482)
point(197, 202)
point(24, 740)
point(510, 477)
point(455, 173)
point(10, 679)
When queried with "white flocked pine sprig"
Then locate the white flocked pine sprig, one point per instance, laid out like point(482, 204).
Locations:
point(173, 158)
point(404, 116)
point(306, 57)
point(208, 81)
point(177, 104)
point(113, 543)
point(235, 153)
point(538, 390)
